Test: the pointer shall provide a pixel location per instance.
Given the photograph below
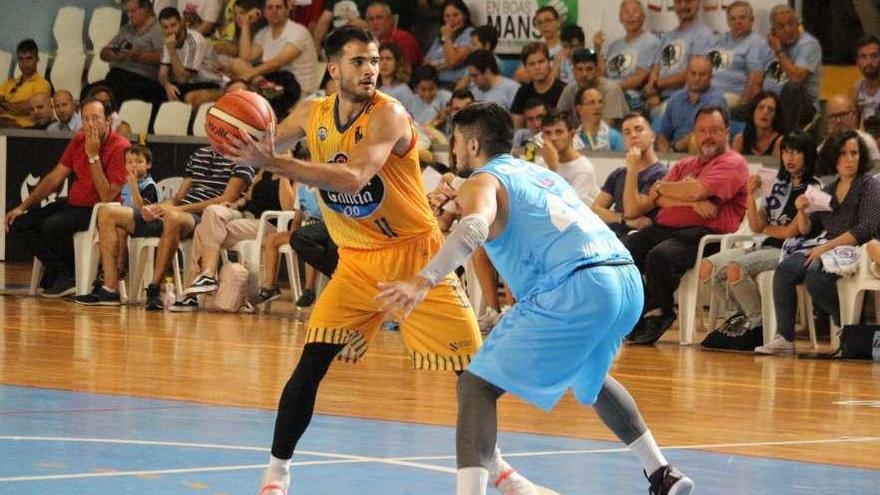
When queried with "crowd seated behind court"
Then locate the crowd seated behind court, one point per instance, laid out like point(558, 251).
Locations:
point(639, 92)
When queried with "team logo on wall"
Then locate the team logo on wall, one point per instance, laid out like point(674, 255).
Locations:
point(620, 65)
point(359, 205)
point(322, 133)
point(672, 54)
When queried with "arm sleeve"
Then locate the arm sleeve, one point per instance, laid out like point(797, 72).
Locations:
point(67, 156)
point(469, 235)
point(611, 181)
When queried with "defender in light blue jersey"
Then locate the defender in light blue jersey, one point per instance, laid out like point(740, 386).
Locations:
point(578, 294)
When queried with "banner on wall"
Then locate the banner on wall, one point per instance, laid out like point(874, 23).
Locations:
point(514, 19)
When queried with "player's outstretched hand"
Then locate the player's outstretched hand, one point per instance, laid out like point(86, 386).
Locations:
point(400, 298)
point(245, 151)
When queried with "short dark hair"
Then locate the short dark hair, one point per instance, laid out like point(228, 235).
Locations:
point(555, 115)
point(579, 96)
point(533, 48)
point(108, 110)
point(489, 123)
point(830, 152)
point(100, 88)
point(144, 4)
point(584, 55)
point(27, 46)
point(868, 39)
point(482, 60)
point(803, 143)
point(340, 37)
point(548, 8)
point(635, 115)
point(462, 94)
point(571, 31)
point(487, 34)
point(533, 103)
point(708, 110)
point(425, 73)
point(140, 149)
point(168, 13)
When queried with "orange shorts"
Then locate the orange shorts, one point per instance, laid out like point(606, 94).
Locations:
point(440, 334)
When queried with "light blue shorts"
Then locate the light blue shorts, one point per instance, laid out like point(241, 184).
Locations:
point(564, 337)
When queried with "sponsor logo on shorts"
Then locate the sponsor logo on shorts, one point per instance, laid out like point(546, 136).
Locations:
point(462, 344)
point(360, 205)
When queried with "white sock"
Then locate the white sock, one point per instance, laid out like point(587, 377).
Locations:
point(497, 465)
point(471, 481)
point(646, 449)
point(108, 289)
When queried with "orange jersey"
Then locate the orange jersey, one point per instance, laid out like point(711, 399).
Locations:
point(392, 208)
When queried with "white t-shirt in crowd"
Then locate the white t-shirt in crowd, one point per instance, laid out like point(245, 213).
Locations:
point(197, 56)
point(581, 174)
point(305, 66)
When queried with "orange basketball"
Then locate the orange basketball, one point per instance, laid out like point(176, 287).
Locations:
point(237, 110)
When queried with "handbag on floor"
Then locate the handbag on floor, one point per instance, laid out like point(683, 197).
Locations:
point(233, 288)
point(860, 342)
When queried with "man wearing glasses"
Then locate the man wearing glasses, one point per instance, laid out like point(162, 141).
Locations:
point(15, 93)
point(842, 115)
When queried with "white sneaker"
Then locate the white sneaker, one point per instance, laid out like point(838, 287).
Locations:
point(274, 483)
point(511, 482)
point(777, 347)
point(488, 320)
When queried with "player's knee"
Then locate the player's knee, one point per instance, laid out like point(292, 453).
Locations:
point(706, 269)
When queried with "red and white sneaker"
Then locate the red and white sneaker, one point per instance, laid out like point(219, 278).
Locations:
point(274, 484)
point(510, 482)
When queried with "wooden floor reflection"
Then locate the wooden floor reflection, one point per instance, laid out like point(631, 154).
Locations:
point(688, 396)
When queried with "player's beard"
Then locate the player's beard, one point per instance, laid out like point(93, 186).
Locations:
point(356, 93)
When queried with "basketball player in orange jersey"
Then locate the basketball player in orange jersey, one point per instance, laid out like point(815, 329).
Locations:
point(366, 166)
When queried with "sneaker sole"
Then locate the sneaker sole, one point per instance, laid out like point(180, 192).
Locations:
point(684, 486)
point(69, 292)
point(200, 290)
point(183, 309)
point(101, 303)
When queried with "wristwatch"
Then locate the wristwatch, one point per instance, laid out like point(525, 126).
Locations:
point(94, 160)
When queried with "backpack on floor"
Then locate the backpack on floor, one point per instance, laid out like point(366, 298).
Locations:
point(734, 337)
point(233, 288)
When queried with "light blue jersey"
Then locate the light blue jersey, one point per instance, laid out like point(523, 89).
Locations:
point(677, 47)
point(550, 233)
point(308, 202)
point(734, 59)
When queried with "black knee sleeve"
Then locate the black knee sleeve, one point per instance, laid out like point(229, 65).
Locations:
point(477, 421)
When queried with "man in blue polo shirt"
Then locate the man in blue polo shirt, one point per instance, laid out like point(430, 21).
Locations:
point(677, 124)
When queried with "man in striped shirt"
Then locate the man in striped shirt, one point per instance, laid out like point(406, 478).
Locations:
point(209, 178)
point(188, 60)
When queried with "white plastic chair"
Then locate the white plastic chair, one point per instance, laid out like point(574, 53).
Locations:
point(851, 292)
point(67, 71)
point(5, 63)
point(42, 64)
point(68, 29)
point(249, 252)
point(199, 122)
point(103, 26)
point(172, 119)
point(98, 70)
point(137, 114)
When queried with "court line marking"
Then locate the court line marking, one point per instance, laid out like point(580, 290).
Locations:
point(356, 459)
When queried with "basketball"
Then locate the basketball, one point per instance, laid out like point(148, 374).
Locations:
point(237, 110)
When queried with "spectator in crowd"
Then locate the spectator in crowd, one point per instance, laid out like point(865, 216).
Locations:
point(394, 73)
point(487, 83)
point(96, 159)
point(670, 65)
point(223, 225)
point(448, 53)
point(527, 141)
point(731, 273)
point(548, 23)
point(201, 16)
point(188, 61)
point(338, 13)
point(623, 202)
point(15, 94)
point(677, 122)
point(841, 114)
point(443, 121)
point(763, 132)
point(866, 91)
point(283, 47)
point(134, 55)
point(485, 37)
point(573, 38)
point(561, 157)
point(243, 12)
point(792, 67)
point(68, 115)
point(593, 132)
point(738, 57)
point(544, 84)
point(104, 95)
point(381, 22)
point(855, 203)
point(431, 99)
point(701, 195)
point(140, 189)
point(628, 60)
point(42, 114)
point(587, 75)
point(209, 178)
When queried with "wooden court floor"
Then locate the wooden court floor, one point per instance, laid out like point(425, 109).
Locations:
point(733, 403)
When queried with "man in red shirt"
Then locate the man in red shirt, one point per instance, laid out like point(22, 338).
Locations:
point(701, 195)
point(96, 156)
point(381, 22)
